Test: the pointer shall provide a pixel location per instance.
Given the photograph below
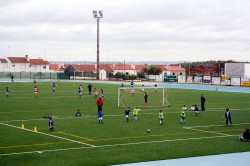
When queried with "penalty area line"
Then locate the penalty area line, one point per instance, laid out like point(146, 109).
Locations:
point(114, 145)
point(211, 132)
point(49, 135)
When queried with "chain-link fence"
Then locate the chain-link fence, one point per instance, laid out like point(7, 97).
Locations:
point(34, 75)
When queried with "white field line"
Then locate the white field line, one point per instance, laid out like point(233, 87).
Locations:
point(114, 145)
point(8, 121)
point(49, 135)
point(71, 117)
point(219, 125)
point(190, 128)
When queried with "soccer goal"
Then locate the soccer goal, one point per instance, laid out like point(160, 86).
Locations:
point(156, 98)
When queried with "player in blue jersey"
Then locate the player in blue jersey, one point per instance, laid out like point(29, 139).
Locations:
point(78, 113)
point(80, 91)
point(51, 124)
point(7, 91)
point(102, 91)
point(100, 114)
point(127, 111)
point(196, 109)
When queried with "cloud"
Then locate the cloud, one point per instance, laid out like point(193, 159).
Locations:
point(131, 29)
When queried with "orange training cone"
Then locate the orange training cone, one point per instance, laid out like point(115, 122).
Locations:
point(35, 130)
point(22, 126)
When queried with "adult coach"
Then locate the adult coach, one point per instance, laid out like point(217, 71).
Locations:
point(99, 103)
point(145, 97)
point(89, 87)
point(203, 100)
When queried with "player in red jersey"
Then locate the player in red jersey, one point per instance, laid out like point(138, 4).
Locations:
point(36, 91)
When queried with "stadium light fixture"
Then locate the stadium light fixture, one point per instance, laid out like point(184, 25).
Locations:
point(97, 14)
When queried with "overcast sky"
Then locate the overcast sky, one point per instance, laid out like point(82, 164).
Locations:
point(131, 30)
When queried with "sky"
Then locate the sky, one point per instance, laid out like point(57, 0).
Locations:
point(130, 30)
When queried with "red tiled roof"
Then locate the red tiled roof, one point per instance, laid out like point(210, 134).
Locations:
point(163, 68)
point(18, 60)
point(140, 67)
point(176, 68)
point(84, 68)
point(106, 68)
point(53, 67)
point(3, 61)
point(122, 67)
point(38, 62)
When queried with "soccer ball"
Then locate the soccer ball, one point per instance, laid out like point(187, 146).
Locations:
point(148, 130)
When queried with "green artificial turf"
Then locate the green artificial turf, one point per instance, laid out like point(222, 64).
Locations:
point(83, 141)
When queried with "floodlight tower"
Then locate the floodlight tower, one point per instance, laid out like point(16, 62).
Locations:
point(97, 14)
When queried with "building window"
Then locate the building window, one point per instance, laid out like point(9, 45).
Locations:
point(173, 74)
point(44, 67)
point(13, 65)
point(181, 74)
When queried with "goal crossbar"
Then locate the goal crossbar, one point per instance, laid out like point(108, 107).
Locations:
point(134, 96)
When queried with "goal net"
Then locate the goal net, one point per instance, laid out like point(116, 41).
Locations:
point(156, 98)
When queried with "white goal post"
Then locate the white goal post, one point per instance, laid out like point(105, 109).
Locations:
point(157, 97)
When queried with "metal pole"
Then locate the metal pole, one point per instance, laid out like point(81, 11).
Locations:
point(97, 15)
point(97, 61)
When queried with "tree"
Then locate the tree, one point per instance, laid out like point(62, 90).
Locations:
point(132, 77)
point(152, 70)
point(118, 75)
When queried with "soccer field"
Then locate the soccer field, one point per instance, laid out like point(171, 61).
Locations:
point(83, 141)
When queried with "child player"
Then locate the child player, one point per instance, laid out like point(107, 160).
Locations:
point(135, 113)
point(132, 90)
point(102, 91)
point(53, 87)
point(7, 91)
point(196, 109)
point(184, 108)
point(95, 93)
point(161, 117)
point(155, 87)
point(51, 124)
point(78, 113)
point(80, 91)
point(36, 91)
point(127, 111)
point(142, 88)
point(100, 114)
point(182, 119)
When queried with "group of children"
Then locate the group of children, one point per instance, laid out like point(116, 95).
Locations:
point(244, 137)
point(161, 115)
point(135, 113)
point(80, 91)
point(194, 108)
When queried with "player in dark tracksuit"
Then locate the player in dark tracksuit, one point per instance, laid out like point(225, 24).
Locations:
point(203, 100)
point(51, 124)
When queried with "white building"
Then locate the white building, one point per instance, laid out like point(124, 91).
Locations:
point(39, 65)
point(18, 64)
point(23, 64)
point(4, 65)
